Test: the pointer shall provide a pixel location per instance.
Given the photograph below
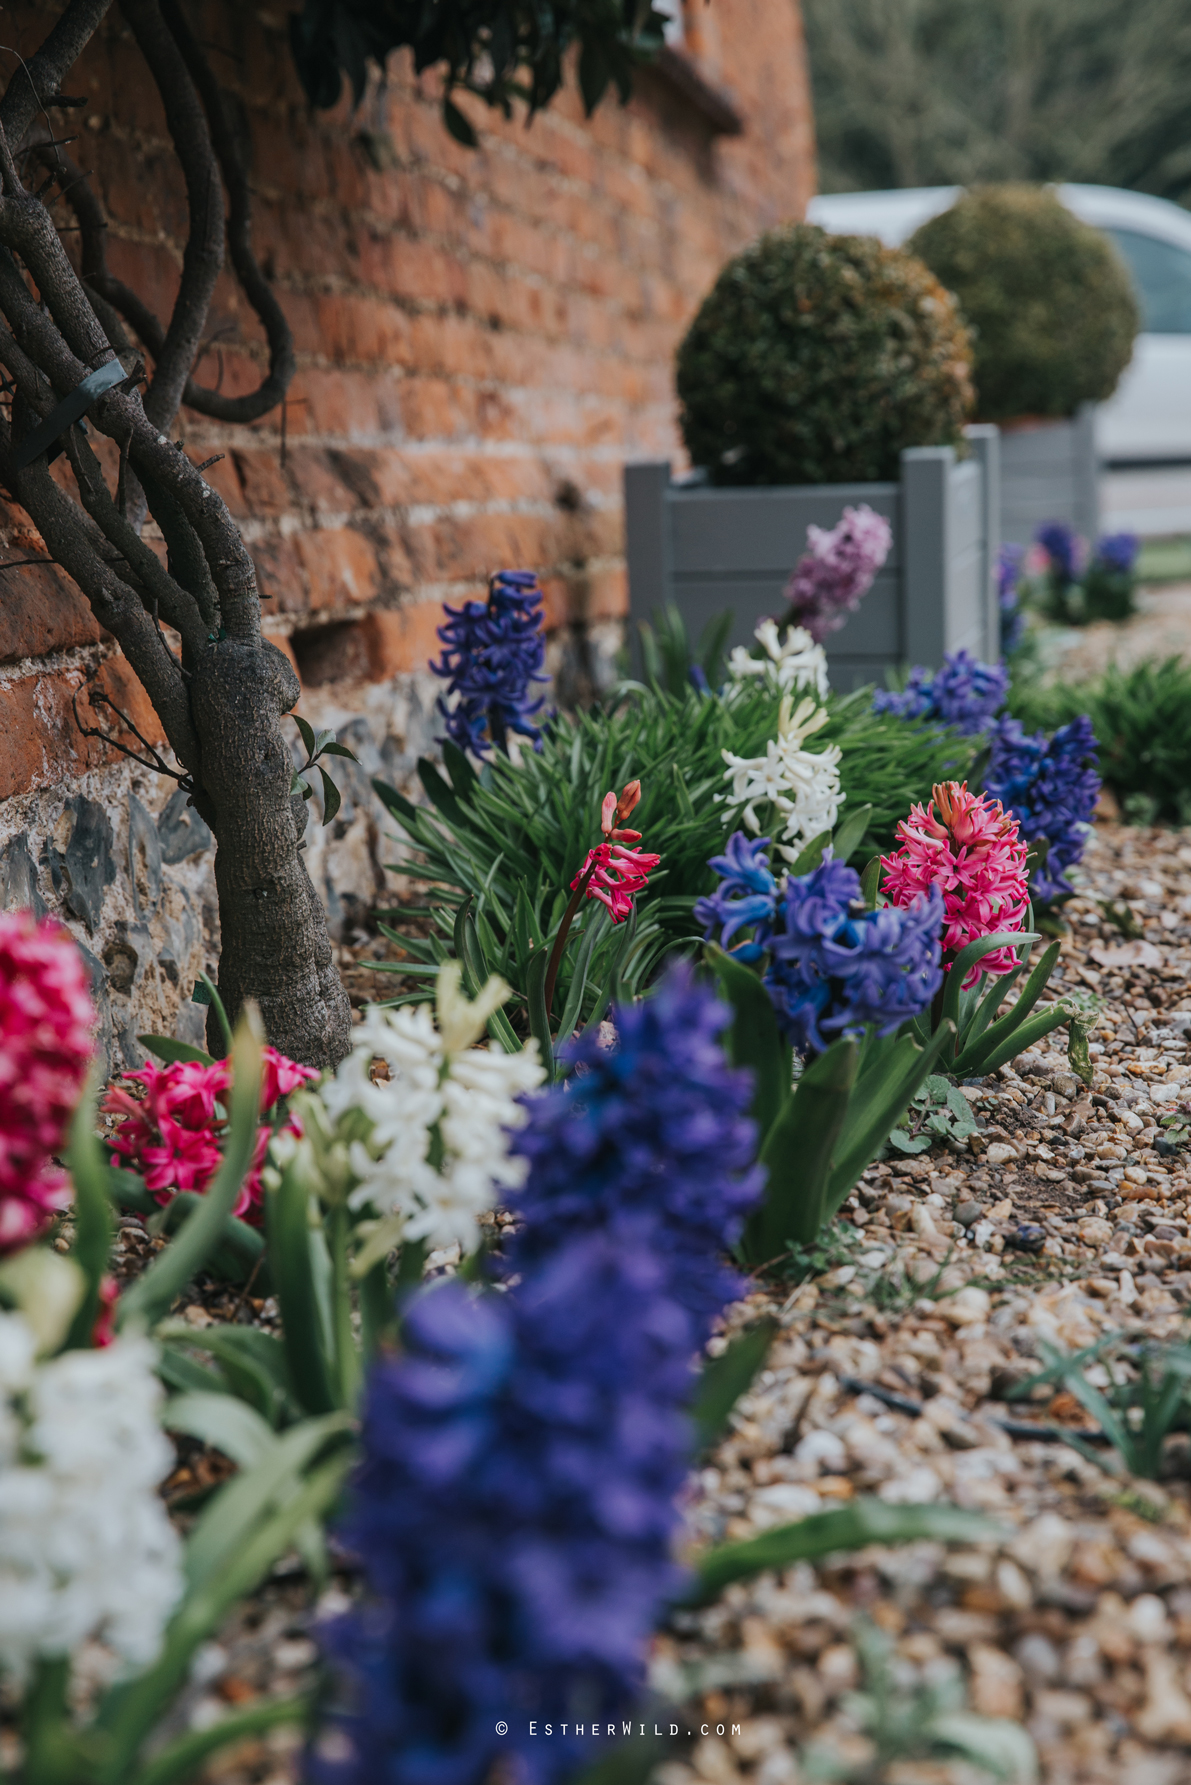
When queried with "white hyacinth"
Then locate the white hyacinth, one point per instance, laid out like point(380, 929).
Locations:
point(86, 1547)
point(789, 666)
point(438, 1153)
point(802, 786)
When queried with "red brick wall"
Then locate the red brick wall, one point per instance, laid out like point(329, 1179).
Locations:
point(483, 336)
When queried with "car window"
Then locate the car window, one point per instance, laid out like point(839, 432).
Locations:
point(1162, 277)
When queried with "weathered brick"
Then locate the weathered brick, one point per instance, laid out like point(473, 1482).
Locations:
point(340, 565)
point(42, 611)
point(401, 639)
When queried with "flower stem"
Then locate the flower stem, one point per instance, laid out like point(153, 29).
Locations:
point(564, 930)
point(347, 1362)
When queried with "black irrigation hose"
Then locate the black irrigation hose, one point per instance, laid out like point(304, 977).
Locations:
point(1014, 1428)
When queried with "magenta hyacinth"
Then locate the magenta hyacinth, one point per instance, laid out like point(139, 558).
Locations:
point(47, 1023)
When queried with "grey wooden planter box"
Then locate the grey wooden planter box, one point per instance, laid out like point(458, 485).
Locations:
point(705, 550)
point(1050, 471)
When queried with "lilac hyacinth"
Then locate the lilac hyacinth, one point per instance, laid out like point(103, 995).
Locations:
point(514, 1514)
point(1010, 559)
point(1117, 553)
point(745, 899)
point(837, 969)
point(832, 577)
point(1063, 549)
point(493, 654)
point(965, 694)
point(1051, 789)
point(653, 1129)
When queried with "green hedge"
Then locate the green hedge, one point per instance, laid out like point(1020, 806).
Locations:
point(817, 358)
point(1048, 298)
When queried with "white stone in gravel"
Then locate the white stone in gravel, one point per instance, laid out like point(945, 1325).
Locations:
point(917, 1487)
point(1147, 1619)
point(1166, 1714)
point(967, 1307)
point(1000, 1153)
point(1045, 1546)
point(819, 1452)
point(781, 1503)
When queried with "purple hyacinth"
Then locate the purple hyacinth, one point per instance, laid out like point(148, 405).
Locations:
point(1051, 789)
point(653, 1128)
point(493, 653)
point(832, 577)
point(836, 969)
point(513, 1513)
point(1064, 550)
point(1010, 559)
point(965, 694)
point(745, 900)
point(1117, 553)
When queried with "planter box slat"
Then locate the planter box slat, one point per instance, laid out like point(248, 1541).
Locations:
point(705, 550)
point(1050, 473)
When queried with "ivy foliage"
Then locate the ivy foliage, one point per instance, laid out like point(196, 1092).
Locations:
point(501, 50)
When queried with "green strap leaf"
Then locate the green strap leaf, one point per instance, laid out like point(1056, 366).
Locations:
point(180, 1761)
point(539, 1022)
point(849, 835)
point(997, 1033)
point(307, 1343)
point(968, 957)
point(848, 1527)
point(724, 1379)
point(797, 1155)
point(753, 1039)
point(222, 1421)
point(93, 1225)
point(150, 1297)
point(881, 1094)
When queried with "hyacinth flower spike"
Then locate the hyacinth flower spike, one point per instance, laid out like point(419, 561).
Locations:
point(612, 873)
point(493, 654)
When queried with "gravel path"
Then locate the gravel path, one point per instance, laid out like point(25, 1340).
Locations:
point(1077, 1621)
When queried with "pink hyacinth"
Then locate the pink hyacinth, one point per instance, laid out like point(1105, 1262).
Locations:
point(831, 578)
point(973, 852)
point(617, 875)
point(172, 1134)
point(47, 1023)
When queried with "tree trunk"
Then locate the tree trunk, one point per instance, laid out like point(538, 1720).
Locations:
point(275, 946)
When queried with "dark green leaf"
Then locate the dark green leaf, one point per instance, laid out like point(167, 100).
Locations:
point(797, 1155)
point(93, 1225)
point(307, 731)
point(812, 855)
point(724, 1379)
point(754, 1040)
point(302, 1321)
point(336, 749)
point(457, 125)
point(845, 1528)
point(849, 835)
point(331, 799)
point(539, 1021)
point(1077, 1050)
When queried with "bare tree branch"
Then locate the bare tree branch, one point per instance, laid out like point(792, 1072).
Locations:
point(255, 286)
point(37, 80)
point(203, 255)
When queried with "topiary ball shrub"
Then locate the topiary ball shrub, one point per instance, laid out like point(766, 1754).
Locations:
point(817, 358)
point(1048, 298)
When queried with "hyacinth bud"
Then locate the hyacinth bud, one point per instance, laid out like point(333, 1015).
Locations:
point(608, 813)
point(628, 801)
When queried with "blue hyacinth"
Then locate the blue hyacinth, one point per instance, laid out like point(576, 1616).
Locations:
point(833, 968)
point(1117, 553)
point(516, 1505)
point(1051, 788)
point(837, 969)
point(653, 1130)
point(965, 694)
point(514, 1514)
point(1061, 545)
point(493, 654)
point(1010, 559)
point(745, 899)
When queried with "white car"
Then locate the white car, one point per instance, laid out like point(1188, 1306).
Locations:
point(1147, 421)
